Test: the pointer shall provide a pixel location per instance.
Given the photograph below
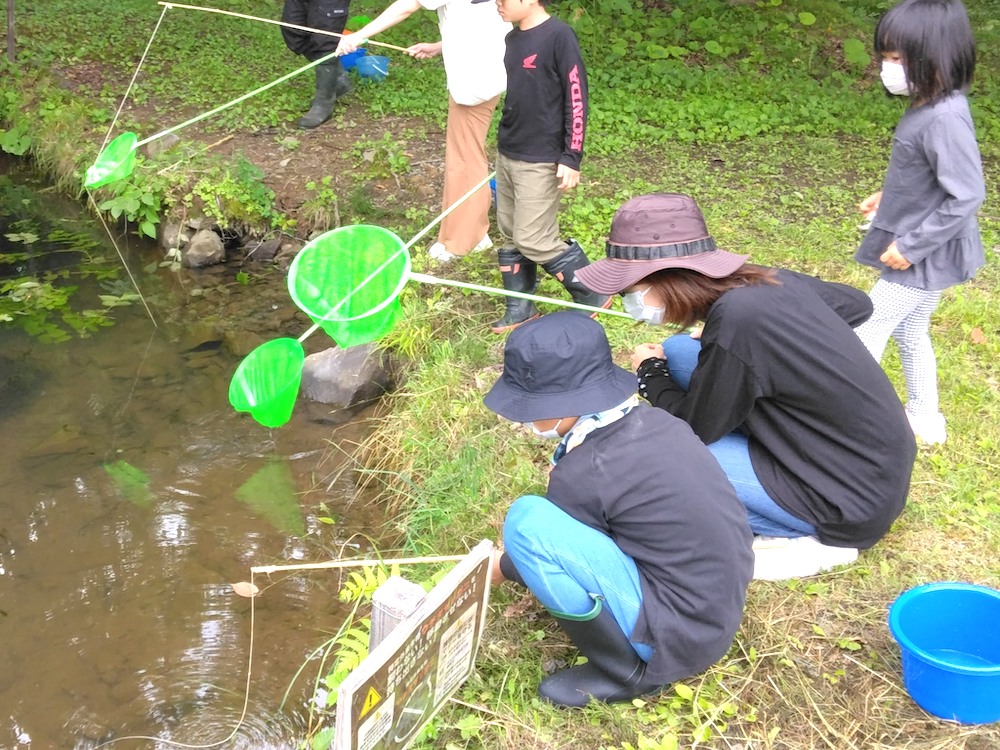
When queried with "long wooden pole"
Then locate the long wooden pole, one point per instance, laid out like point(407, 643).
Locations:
point(269, 20)
point(268, 569)
point(11, 54)
point(424, 278)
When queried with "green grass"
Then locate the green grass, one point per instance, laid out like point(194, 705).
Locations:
point(777, 133)
point(813, 665)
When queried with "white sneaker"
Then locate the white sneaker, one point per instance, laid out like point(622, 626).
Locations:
point(437, 252)
point(928, 428)
point(484, 244)
point(778, 558)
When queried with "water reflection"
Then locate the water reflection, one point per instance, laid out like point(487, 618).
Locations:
point(132, 497)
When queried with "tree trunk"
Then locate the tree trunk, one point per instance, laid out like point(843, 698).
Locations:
point(10, 30)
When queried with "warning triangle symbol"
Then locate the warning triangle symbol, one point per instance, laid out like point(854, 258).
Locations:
point(371, 700)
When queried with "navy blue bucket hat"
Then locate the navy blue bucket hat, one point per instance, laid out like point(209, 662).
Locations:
point(558, 366)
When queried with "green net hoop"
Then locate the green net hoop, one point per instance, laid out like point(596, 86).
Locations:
point(266, 383)
point(348, 282)
point(115, 162)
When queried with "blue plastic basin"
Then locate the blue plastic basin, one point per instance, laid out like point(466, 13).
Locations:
point(949, 636)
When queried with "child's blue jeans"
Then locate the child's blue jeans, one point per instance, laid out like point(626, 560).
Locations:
point(732, 451)
point(567, 564)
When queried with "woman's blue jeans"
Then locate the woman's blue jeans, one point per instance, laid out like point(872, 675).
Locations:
point(567, 565)
point(732, 451)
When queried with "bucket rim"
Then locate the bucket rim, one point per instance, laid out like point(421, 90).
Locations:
point(895, 627)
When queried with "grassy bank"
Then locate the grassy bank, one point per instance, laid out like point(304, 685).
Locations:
point(813, 665)
point(773, 121)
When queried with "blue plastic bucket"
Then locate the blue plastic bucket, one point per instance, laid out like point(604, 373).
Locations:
point(349, 60)
point(949, 635)
point(375, 67)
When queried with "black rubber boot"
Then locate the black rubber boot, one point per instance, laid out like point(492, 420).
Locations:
point(510, 571)
point(614, 672)
point(565, 266)
point(332, 82)
point(519, 275)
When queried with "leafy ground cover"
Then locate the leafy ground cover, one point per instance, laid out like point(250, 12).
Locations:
point(770, 114)
point(813, 665)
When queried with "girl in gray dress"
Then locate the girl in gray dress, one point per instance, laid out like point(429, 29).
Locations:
point(924, 237)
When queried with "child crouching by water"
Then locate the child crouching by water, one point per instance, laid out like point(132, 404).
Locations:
point(640, 548)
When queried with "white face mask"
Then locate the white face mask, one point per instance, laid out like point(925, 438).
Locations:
point(639, 310)
point(894, 78)
point(552, 434)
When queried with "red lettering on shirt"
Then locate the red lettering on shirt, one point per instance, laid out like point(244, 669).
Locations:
point(576, 99)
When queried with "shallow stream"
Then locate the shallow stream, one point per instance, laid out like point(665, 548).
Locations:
point(131, 497)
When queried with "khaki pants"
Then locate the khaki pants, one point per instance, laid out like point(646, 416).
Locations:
point(465, 164)
point(528, 198)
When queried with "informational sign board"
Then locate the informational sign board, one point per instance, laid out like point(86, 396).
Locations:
point(385, 702)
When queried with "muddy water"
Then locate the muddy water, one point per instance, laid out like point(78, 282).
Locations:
point(131, 497)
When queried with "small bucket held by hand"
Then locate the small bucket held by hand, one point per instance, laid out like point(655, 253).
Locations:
point(266, 383)
point(348, 281)
point(949, 636)
point(349, 60)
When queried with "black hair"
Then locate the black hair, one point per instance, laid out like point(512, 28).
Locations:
point(934, 39)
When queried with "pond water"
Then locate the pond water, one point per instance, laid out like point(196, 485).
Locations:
point(132, 497)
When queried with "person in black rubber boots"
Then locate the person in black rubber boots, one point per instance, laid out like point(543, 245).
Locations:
point(540, 147)
point(332, 81)
point(640, 548)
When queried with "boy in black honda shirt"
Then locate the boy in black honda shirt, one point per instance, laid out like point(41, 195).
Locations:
point(540, 144)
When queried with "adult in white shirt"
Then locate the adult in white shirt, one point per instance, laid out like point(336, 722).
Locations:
point(472, 46)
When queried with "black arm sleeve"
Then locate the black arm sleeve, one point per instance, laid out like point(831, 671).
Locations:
point(656, 385)
point(721, 395)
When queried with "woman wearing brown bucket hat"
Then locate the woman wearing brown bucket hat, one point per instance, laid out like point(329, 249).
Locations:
point(804, 422)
